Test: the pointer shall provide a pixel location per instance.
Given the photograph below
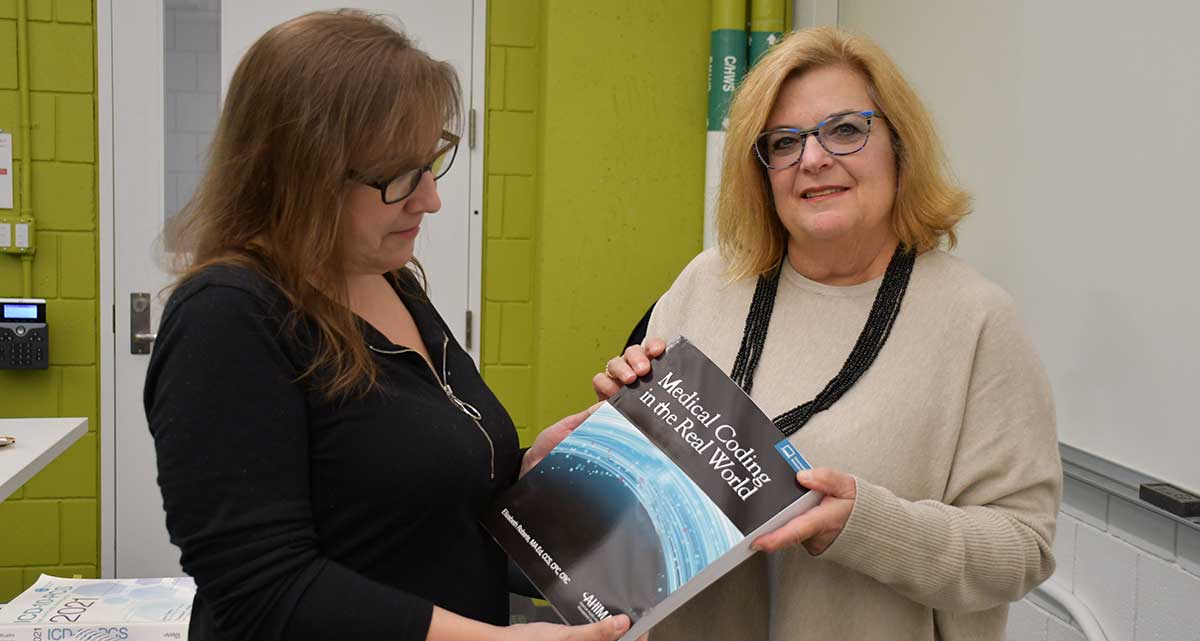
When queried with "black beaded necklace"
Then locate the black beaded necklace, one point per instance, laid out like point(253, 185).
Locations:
point(870, 341)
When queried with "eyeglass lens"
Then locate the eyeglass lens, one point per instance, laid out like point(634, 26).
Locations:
point(405, 184)
point(840, 135)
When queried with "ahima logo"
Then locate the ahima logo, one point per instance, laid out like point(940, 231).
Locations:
point(592, 605)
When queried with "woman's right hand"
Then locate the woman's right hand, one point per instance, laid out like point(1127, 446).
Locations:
point(627, 368)
point(608, 629)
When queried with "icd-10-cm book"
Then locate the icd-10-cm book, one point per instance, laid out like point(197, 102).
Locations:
point(654, 497)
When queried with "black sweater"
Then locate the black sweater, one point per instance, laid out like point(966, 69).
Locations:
point(302, 518)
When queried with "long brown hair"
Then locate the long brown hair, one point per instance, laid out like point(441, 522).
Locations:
point(928, 203)
point(313, 99)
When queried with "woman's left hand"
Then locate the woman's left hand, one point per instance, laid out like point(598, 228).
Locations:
point(819, 527)
point(551, 437)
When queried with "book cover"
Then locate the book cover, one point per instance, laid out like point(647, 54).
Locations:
point(57, 609)
point(654, 497)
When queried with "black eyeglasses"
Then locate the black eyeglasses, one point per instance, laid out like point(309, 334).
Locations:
point(393, 190)
point(840, 135)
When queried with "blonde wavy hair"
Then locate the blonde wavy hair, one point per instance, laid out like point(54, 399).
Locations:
point(313, 100)
point(928, 205)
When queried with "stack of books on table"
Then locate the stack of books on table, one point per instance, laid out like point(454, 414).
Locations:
point(55, 609)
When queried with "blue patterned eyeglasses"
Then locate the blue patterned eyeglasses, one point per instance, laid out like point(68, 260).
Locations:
point(840, 135)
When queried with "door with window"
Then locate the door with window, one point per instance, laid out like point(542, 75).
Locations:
point(171, 60)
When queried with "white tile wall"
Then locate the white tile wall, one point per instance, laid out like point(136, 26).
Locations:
point(1085, 503)
point(208, 72)
point(196, 112)
point(1168, 602)
point(1105, 579)
point(179, 70)
point(1187, 549)
point(191, 57)
point(181, 152)
point(1026, 622)
point(1059, 631)
point(1064, 550)
point(1140, 527)
point(186, 185)
point(1138, 572)
point(197, 31)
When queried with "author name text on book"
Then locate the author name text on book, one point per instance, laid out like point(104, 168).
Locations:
point(537, 548)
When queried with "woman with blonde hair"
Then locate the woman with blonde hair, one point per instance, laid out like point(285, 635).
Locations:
point(324, 445)
point(898, 370)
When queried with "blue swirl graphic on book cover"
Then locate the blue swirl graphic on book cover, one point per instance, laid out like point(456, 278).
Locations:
point(692, 531)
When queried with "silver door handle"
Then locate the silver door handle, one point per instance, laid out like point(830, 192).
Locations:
point(141, 339)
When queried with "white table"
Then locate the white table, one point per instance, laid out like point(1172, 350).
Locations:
point(39, 441)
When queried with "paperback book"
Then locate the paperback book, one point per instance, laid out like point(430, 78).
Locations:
point(56, 609)
point(654, 497)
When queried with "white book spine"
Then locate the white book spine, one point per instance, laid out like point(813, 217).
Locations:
point(95, 632)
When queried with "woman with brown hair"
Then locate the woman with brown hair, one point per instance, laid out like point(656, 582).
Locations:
point(324, 445)
point(898, 370)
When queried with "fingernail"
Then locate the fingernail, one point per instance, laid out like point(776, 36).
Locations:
point(804, 476)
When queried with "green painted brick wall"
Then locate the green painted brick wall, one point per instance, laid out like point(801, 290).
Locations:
point(51, 524)
point(594, 190)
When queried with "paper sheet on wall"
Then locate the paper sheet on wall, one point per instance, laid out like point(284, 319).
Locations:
point(6, 190)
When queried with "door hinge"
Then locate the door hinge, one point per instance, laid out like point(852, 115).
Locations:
point(470, 328)
point(471, 129)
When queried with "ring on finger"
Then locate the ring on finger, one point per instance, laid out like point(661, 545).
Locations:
point(608, 372)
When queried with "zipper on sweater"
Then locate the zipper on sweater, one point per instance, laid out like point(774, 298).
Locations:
point(463, 406)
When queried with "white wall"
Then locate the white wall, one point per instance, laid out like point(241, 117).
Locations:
point(1074, 123)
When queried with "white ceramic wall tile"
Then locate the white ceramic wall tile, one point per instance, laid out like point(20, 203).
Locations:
point(1085, 503)
point(168, 111)
point(179, 70)
point(180, 152)
point(186, 186)
point(1059, 631)
point(170, 197)
point(1105, 579)
point(168, 29)
point(197, 31)
point(1140, 527)
point(1026, 622)
point(1049, 606)
point(1064, 550)
point(194, 5)
point(196, 112)
point(1187, 547)
point(208, 72)
point(1168, 602)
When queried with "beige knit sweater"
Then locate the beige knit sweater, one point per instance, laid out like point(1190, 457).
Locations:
point(950, 436)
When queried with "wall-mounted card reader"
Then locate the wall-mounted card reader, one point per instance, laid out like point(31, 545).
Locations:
point(24, 336)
